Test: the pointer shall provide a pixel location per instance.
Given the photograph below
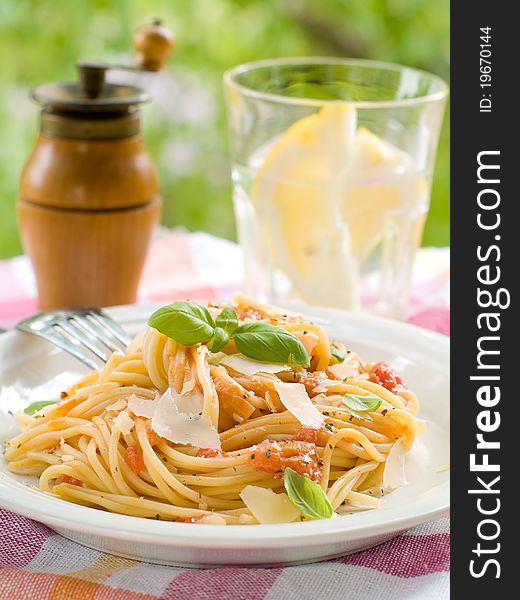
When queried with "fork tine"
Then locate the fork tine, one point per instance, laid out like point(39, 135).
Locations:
point(56, 337)
point(91, 326)
point(111, 326)
point(83, 338)
point(88, 334)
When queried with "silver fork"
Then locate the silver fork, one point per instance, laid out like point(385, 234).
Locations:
point(88, 334)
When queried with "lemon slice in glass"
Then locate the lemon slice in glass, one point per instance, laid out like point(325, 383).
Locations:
point(295, 196)
point(323, 196)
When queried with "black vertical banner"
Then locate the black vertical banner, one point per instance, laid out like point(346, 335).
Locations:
point(485, 201)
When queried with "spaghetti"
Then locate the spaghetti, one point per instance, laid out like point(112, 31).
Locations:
point(127, 439)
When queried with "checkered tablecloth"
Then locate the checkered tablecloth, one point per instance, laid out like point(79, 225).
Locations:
point(38, 564)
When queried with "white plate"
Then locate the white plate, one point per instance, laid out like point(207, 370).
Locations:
point(29, 365)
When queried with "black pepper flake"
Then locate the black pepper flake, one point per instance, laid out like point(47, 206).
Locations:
point(351, 417)
point(158, 517)
point(268, 454)
point(325, 413)
point(330, 446)
point(383, 412)
point(18, 446)
point(252, 456)
point(328, 427)
point(63, 395)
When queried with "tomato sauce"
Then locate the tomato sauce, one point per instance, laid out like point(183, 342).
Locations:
point(385, 375)
point(134, 458)
point(69, 479)
point(211, 453)
point(273, 457)
point(312, 380)
point(307, 434)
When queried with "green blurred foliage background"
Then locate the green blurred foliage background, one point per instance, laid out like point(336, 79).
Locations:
point(185, 126)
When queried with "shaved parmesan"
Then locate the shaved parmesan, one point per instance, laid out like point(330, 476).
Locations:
point(178, 418)
point(269, 507)
point(212, 520)
point(348, 368)
point(394, 474)
point(124, 423)
point(191, 403)
point(248, 366)
point(142, 407)
point(296, 400)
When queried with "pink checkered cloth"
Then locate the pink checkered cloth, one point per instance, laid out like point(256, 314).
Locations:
point(36, 563)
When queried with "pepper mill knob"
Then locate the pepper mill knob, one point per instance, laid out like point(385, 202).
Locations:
point(152, 42)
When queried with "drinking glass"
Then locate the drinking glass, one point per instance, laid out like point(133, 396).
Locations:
point(332, 164)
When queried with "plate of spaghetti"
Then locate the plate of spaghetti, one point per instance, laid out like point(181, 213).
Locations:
point(230, 433)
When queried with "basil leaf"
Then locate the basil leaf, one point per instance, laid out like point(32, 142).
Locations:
point(228, 320)
point(362, 403)
point(185, 322)
point(219, 340)
point(337, 354)
point(307, 495)
point(36, 406)
point(268, 343)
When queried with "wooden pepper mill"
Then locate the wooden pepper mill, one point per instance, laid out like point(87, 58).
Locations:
point(89, 195)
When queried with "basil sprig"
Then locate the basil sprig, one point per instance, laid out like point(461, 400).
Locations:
point(185, 322)
point(307, 495)
point(228, 320)
point(336, 353)
point(226, 325)
point(218, 340)
point(189, 324)
point(361, 403)
point(36, 406)
point(268, 343)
